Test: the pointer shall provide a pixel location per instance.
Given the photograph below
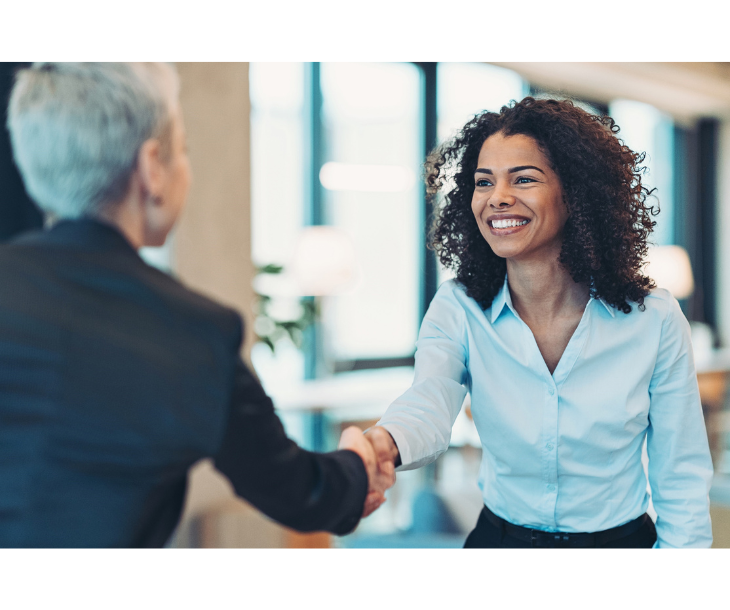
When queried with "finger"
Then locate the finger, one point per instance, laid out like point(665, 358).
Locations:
point(372, 506)
point(353, 439)
point(387, 468)
point(383, 444)
point(381, 484)
point(350, 436)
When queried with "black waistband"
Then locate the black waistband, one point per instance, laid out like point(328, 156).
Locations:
point(540, 538)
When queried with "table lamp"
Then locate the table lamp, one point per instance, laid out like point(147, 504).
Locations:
point(323, 264)
point(670, 268)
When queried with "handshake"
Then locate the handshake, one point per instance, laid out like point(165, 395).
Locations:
point(379, 453)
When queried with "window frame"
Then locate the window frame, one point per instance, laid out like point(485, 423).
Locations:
point(694, 186)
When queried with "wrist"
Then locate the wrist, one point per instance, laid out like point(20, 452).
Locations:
point(380, 431)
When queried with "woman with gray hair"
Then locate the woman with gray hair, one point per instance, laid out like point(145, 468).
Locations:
point(114, 378)
point(79, 132)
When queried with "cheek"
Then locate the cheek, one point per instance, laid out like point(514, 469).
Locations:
point(185, 176)
point(477, 205)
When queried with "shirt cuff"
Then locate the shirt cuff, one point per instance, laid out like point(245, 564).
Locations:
point(402, 444)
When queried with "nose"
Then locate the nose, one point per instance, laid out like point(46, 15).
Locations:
point(501, 198)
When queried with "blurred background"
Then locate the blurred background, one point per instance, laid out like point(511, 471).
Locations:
point(307, 213)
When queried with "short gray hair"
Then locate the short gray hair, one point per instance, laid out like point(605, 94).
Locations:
point(76, 129)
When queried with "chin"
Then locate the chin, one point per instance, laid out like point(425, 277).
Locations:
point(505, 252)
point(155, 240)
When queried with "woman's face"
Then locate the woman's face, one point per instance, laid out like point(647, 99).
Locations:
point(518, 199)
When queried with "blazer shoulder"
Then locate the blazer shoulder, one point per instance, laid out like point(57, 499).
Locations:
point(193, 303)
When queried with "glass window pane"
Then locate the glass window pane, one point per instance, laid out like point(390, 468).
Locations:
point(373, 154)
point(277, 194)
point(464, 89)
point(277, 159)
point(645, 129)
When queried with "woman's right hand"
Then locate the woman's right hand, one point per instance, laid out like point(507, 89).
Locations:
point(386, 454)
point(386, 451)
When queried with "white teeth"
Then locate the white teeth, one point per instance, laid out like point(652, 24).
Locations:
point(507, 223)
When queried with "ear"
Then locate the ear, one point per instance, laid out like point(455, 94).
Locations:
point(151, 168)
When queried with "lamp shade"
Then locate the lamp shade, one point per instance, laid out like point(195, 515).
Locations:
point(670, 268)
point(323, 264)
point(324, 261)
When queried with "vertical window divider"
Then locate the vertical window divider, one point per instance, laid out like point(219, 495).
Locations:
point(428, 265)
point(313, 208)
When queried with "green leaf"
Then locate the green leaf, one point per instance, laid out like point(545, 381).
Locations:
point(270, 268)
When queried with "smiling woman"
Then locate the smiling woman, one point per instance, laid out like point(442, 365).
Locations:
point(572, 357)
point(516, 187)
point(601, 186)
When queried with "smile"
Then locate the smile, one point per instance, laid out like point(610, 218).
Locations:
point(507, 226)
point(508, 223)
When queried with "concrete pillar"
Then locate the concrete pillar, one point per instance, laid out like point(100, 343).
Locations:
point(211, 249)
point(211, 253)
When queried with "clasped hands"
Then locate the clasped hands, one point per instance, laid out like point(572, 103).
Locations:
point(378, 452)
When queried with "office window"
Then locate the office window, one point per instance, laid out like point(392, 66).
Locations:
point(464, 89)
point(644, 128)
point(278, 191)
point(343, 144)
point(277, 159)
point(372, 156)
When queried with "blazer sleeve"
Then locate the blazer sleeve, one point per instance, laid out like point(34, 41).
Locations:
point(300, 489)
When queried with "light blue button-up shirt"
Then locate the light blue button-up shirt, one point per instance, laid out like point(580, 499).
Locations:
point(562, 452)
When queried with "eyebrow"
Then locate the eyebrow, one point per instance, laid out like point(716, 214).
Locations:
point(512, 170)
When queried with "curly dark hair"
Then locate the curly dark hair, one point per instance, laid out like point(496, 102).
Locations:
point(605, 236)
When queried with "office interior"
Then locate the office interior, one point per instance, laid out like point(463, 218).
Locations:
point(307, 213)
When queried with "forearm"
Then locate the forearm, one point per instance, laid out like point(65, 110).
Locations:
point(420, 421)
point(300, 489)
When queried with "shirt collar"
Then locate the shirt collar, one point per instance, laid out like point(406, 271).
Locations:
point(504, 299)
point(609, 309)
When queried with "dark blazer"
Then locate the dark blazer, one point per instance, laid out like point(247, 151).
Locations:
point(114, 380)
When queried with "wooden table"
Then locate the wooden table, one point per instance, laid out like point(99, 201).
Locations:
point(713, 372)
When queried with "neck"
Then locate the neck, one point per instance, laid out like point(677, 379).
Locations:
point(127, 223)
point(127, 215)
point(544, 289)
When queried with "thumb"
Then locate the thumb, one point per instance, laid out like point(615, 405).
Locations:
point(353, 439)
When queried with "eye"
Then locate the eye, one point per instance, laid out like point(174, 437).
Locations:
point(483, 182)
point(524, 180)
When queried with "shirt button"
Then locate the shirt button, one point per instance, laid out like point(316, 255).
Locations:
point(551, 390)
point(549, 447)
point(551, 487)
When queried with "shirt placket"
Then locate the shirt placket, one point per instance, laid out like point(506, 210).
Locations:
point(549, 452)
point(549, 434)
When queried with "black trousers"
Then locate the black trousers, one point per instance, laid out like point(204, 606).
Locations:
point(487, 535)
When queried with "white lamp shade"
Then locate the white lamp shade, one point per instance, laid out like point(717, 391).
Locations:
point(670, 268)
point(323, 264)
point(324, 261)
